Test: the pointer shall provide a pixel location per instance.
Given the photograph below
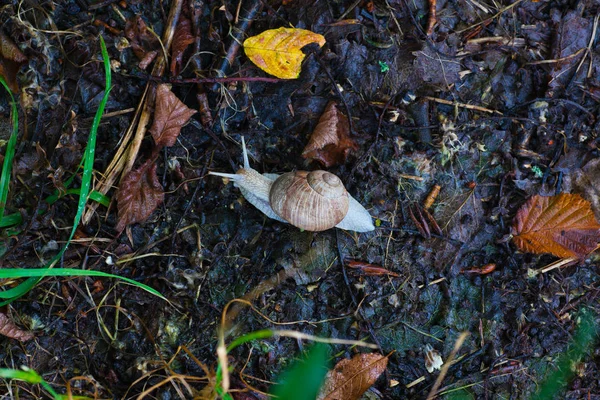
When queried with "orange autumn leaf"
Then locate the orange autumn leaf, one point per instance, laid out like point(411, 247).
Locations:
point(352, 377)
point(563, 225)
point(330, 143)
point(278, 51)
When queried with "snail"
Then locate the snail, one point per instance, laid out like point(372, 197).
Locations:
point(313, 201)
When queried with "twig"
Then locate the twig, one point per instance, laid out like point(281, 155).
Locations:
point(463, 105)
point(444, 370)
point(220, 80)
point(237, 37)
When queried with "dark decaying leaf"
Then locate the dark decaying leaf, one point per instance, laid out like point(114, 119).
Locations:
point(139, 194)
point(563, 225)
point(9, 329)
point(170, 114)
point(181, 40)
point(145, 44)
point(570, 39)
point(352, 377)
point(330, 142)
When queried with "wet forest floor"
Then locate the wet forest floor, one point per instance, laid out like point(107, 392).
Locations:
point(489, 103)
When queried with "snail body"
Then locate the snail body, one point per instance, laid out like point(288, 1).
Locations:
point(313, 201)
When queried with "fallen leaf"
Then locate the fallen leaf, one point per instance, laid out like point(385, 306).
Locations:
point(11, 59)
point(330, 142)
point(370, 269)
point(181, 40)
point(278, 51)
point(352, 377)
point(144, 43)
point(563, 225)
point(9, 329)
point(169, 116)
point(9, 50)
point(570, 38)
point(139, 194)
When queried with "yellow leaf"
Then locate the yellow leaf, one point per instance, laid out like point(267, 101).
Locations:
point(277, 51)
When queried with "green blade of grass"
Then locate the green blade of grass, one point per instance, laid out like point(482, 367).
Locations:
point(29, 376)
point(303, 379)
point(42, 272)
point(10, 220)
point(582, 344)
point(94, 195)
point(10, 151)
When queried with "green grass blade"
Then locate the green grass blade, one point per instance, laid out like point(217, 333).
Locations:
point(582, 344)
point(94, 195)
point(42, 272)
point(10, 220)
point(10, 151)
point(29, 376)
point(304, 378)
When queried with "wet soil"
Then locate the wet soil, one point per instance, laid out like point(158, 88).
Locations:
point(498, 103)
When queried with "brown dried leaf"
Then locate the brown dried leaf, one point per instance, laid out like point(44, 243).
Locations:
point(139, 194)
point(9, 50)
point(181, 40)
point(562, 225)
point(11, 58)
point(9, 329)
point(352, 377)
point(330, 142)
point(143, 42)
point(169, 116)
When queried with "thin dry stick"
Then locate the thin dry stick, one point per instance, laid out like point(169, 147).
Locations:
point(463, 105)
point(444, 370)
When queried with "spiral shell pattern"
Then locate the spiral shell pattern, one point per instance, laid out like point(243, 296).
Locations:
point(313, 201)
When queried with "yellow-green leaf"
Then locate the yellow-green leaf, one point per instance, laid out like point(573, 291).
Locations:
point(277, 51)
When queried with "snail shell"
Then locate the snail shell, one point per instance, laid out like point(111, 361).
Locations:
point(313, 201)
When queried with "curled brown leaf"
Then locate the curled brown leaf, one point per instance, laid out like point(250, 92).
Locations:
point(330, 142)
point(144, 43)
point(139, 194)
point(169, 117)
point(352, 377)
point(9, 329)
point(181, 40)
